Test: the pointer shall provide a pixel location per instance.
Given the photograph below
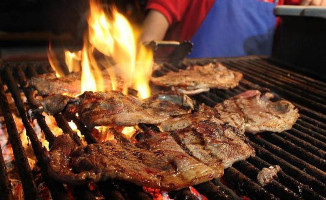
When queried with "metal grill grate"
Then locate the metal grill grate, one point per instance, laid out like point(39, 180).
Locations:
point(300, 151)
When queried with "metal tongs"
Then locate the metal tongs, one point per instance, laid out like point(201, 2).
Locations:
point(180, 51)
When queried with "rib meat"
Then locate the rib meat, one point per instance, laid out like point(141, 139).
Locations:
point(258, 112)
point(196, 79)
point(157, 162)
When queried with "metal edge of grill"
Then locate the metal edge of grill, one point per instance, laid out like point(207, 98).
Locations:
point(300, 151)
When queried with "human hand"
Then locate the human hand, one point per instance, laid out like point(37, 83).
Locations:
point(313, 2)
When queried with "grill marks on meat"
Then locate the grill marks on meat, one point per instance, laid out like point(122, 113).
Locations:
point(197, 79)
point(258, 112)
point(107, 108)
point(157, 162)
point(209, 139)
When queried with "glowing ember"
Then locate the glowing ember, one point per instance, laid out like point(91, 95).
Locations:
point(124, 57)
point(103, 134)
point(128, 131)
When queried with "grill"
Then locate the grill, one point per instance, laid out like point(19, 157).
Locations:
point(300, 152)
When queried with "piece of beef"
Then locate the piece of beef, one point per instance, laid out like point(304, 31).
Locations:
point(208, 138)
point(55, 103)
point(258, 112)
point(158, 162)
point(49, 84)
point(107, 108)
point(196, 79)
point(266, 175)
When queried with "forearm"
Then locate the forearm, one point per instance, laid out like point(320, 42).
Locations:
point(154, 27)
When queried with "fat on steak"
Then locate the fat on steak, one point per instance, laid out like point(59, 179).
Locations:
point(258, 112)
point(156, 162)
point(197, 79)
point(107, 108)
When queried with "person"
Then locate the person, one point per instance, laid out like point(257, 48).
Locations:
point(218, 28)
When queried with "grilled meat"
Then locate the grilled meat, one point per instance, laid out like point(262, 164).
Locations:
point(157, 162)
point(266, 175)
point(258, 112)
point(49, 84)
point(209, 139)
point(197, 79)
point(55, 103)
point(124, 110)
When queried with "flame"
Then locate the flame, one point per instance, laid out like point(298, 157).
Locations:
point(126, 59)
point(72, 60)
point(54, 63)
point(128, 131)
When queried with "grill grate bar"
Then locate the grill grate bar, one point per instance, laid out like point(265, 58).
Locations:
point(40, 118)
point(295, 150)
point(57, 189)
point(303, 144)
point(280, 69)
point(274, 186)
point(24, 170)
point(212, 191)
point(5, 188)
point(241, 182)
point(301, 164)
point(285, 79)
point(303, 190)
point(291, 170)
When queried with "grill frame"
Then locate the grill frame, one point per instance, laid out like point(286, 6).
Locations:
point(298, 179)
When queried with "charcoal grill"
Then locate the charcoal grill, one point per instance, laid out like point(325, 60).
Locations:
point(300, 152)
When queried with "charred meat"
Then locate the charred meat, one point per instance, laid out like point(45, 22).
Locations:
point(196, 79)
point(157, 162)
point(258, 112)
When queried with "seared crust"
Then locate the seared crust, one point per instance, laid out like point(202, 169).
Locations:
point(197, 79)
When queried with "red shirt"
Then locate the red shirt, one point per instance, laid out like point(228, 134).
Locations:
point(185, 16)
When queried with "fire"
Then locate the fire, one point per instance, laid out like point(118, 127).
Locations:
point(54, 63)
point(128, 131)
point(72, 60)
point(125, 58)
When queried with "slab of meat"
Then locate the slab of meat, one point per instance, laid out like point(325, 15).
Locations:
point(157, 162)
point(49, 84)
point(205, 136)
point(197, 79)
point(258, 112)
point(107, 108)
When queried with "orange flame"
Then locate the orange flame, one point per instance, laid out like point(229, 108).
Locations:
point(116, 39)
point(72, 60)
point(54, 63)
